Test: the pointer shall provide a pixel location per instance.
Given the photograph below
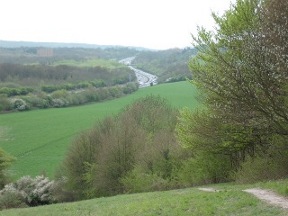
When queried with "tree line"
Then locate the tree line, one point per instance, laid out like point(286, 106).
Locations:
point(31, 75)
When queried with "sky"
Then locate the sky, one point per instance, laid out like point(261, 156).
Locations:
point(154, 24)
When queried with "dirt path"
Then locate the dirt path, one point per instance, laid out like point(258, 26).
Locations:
point(269, 196)
point(265, 195)
point(208, 189)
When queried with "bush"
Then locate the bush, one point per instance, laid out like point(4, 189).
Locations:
point(138, 181)
point(15, 91)
point(11, 199)
point(204, 168)
point(5, 162)
point(4, 103)
point(58, 103)
point(36, 101)
point(34, 192)
point(60, 193)
point(19, 104)
point(263, 168)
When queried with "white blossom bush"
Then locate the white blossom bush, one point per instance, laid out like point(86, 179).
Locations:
point(33, 191)
point(59, 102)
point(19, 104)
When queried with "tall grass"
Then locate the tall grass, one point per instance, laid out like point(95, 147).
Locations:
point(39, 139)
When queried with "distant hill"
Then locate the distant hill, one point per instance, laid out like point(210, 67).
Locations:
point(17, 44)
point(169, 65)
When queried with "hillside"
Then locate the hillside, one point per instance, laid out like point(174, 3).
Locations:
point(18, 44)
point(169, 65)
point(229, 200)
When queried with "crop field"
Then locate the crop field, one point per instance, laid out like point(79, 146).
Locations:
point(90, 63)
point(39, 139)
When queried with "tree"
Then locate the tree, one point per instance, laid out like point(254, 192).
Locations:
point(241, 70)
point(140, 136)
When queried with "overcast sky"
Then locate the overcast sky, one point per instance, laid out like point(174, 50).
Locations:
point(157, 24)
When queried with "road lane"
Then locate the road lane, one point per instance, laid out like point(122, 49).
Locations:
point(144, 79)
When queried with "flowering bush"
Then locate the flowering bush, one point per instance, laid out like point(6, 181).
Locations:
point(19, 104)
point(32, 191)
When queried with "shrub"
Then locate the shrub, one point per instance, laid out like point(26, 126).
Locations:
point(19, 104)
point(11, 199)
point(4, 103)
point(204, 168)
point(269, 167)
point(49, 89)
point(59, 94)
point(58, 103)
point(129, 88)
point(36, 101)
point(5, 162)
point(15, 91)
point(138, 181)
point(33, 192)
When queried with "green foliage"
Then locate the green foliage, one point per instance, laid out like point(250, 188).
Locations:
point(15, 91)
point(5, 162)
point(64, 98)
point(4, 103)
point(138, 181)
point(271, 166)
point(57, 77)
point(204, 168)
point(100, 159)
point(241, 71)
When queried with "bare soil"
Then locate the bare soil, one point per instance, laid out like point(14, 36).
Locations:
point(208, 189)
point(265, 195)
point(269, 197)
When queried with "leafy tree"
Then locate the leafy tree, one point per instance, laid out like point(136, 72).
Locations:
point(241, 70)
point(141, 137)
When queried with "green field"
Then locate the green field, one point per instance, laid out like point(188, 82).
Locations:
point(39, 138)
point(91, 63)
point(230, 200)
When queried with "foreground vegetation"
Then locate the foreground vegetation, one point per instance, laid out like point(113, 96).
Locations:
point(229, 201)
point(241, 73)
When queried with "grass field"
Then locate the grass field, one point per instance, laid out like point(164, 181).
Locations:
point(39, 138)
point(91, 63)
point(230, 200)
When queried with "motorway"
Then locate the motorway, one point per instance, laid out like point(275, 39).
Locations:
point(144, 79)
